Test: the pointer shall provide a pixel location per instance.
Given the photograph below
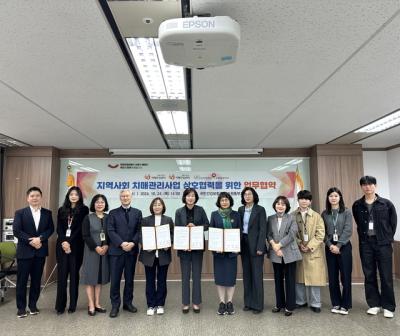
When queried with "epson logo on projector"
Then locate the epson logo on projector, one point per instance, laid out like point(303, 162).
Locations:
point(198, 24)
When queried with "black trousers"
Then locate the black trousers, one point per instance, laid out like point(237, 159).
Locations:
point(156, 293)
point(191, 264)
point(340, 265)
point(33, 268)
point(285, 281)
point(125, 263)
point(68, 265)
point(253, 267)
point(373, 257)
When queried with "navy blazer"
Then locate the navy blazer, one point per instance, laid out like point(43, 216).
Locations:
point(164, 257)
point(257, 231)
point(217, 222)
point(24, 228)
point(120, 231)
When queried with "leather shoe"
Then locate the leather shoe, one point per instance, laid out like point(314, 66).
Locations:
point(130, 308)
point(196, 309)
point(100, 309)
point(316, 309)
point(91, 312)
point(114, 312)
point(185, 310)
point(256, 311)
point(60, 312)
point(71, 310)
point(288, 312)
point(301, 305)
point(246, 308)
point(276, 310)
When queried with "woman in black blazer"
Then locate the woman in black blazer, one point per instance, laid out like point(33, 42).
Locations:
point(156, 262)
point(191, 261)
point(69, 248)
point(338, 230)
point(254, 233)
point(225, 263)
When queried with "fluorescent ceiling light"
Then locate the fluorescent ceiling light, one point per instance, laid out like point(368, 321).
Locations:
point(185, 168)
point(382, 124)
point(173, 122)
point(162, 81)
point(186, 152)
point(183, 162)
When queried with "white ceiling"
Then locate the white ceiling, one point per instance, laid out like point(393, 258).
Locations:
point(308, 72)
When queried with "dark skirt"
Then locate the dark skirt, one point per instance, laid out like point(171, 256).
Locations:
point(225, 270)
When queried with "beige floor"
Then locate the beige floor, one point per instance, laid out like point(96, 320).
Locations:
point(303, 322)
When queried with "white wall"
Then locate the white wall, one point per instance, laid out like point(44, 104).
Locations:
point(385, 166)
point(393, 161)
point(375, 164)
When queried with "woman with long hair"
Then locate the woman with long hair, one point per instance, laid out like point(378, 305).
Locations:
point(69, 248)
point(338, 230)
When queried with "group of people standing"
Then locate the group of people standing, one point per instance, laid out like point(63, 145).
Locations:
point(96, 247)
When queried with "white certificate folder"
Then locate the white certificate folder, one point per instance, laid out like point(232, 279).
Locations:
point(156, 237)
point(189, 238)
point(224, 240)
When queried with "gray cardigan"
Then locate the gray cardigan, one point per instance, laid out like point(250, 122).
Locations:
point(344, 227)
point(286, 236)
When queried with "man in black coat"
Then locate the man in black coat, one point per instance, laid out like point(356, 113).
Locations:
point(32, 226)
point(124, 233)
point(376, 220)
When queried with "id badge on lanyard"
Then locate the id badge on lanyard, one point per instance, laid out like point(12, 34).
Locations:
point(370, 225)
point(305, 237)
point(102, 236)
point(68, 232)
point(335, 237)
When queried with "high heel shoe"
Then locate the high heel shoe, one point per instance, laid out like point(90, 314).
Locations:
point(91, 312)
point(100, 309)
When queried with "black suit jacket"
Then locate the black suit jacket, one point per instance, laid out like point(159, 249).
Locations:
point(75, 240)
point(257, 231)
point(200, 218)
point(164, 257)
point(24, 228)
point(120, 231)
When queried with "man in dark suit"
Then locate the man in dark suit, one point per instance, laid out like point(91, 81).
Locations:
point(124, 233)
point(32, 226)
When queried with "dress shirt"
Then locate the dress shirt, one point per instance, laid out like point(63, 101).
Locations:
point(36, 216)
point(246, 218)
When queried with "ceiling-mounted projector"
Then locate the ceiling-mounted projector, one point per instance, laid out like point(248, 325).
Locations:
point(199, 42)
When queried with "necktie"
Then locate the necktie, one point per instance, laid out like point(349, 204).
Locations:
point(127, 215)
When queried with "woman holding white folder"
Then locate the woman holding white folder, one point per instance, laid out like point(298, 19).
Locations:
point(191, 260)
point(156, 262)
point(225, 263)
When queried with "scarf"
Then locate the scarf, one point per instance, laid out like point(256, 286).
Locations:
point(226, 217)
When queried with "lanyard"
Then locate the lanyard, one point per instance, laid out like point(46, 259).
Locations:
point(334, 220)
point(70, 218)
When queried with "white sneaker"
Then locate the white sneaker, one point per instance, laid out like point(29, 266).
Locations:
point(160, 310)
point(344, 311)
point(373, 310)
point(150, 311)
point(335, 310)
point(388, 313)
